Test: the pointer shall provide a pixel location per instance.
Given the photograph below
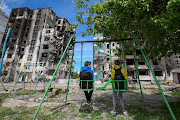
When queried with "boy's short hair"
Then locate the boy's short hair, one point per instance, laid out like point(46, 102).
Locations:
point(117, 62)
point(87, 63)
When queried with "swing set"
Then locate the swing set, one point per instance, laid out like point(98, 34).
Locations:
point(71, 41)
point(24, 75)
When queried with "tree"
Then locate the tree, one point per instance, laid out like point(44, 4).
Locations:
point(75, 75)
point(156, 22)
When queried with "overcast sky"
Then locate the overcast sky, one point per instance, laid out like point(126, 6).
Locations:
point(62, 8)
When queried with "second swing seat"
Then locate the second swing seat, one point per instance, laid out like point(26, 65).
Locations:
point(120, 85)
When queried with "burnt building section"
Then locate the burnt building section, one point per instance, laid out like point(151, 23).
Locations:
point(166, 70)
point(38, 37)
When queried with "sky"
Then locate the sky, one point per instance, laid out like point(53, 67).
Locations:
point(62, 8)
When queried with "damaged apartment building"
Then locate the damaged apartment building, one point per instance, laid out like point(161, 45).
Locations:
point(38, 38)
point(166, 70)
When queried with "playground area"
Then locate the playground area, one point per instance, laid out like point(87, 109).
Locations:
point(22, 104)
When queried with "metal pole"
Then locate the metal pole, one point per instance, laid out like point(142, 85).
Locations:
point(69, 75)
point(38, 78)
point(137, 71)
point(93, 61)
point(52, 79)
point(124, 62)
point(43, 77)
point(110, 54)
point(81, 55)
point(2, 56)
point(4, 48)
point(167, 104)
point(17, 79)
point(24, 76)
point(31, 76)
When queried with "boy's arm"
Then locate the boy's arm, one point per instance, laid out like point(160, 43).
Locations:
point(113, 74)
point(124, 73)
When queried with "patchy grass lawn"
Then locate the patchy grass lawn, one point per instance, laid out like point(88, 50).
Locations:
point(83, 111)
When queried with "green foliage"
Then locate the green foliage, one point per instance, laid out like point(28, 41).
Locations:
point(75, 75)
point(176, 93)
point(157, 23)
point(71, 27)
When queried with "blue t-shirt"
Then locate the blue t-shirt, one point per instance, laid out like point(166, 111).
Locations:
point(87, 69)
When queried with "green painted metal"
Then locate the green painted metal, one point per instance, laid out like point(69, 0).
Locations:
point(137, 71)
point(160, 89)
point(93, 60)
point(117, 81)
point(52, 79)
point(102, 88)
point(17, 79)
point(69, 75)
point(86, 84)
point(37, 81)
point(110, 54)
point(24, 77)
point(38, 77)
point(124, 62)
point(81, 55)
point(43, 77)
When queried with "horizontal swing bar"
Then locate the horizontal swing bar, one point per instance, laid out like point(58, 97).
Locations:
point(102, 41)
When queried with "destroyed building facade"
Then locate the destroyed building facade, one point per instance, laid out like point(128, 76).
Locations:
point(38, 38)
point(166, 70)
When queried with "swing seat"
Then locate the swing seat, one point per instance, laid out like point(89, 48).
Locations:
point(120, 85)
point(86, 85)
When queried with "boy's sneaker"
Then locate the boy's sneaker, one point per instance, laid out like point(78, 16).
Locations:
point(113, 112)
point(125, 113)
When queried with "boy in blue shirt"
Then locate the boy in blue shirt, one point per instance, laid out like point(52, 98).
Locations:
point(87, 68)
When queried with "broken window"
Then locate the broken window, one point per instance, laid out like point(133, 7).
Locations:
point(45, 47)
point(30, 16)
point(107, 46)
point(37, 22)
point(19, 20)
point(113, 44)
point(26, 34)
point(141, 63)
point(13, 40)
point(155, 62)
point(21, 13)
point(130, 62)
point(17, 26)
point(22, 49)
point(44, 54)
point(46, 38)
point(129, 53)
point(138, 52)
point(15, 33)
point(9, 55)
point(21, 56)
point(107, 59)
point(59, 22)
point(48, 31)
point(158, 73)
point(11, 48)
point(145, 72)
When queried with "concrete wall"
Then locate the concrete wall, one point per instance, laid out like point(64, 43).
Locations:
point(3, 23)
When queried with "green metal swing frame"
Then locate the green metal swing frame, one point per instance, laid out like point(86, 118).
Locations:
point(136, 41)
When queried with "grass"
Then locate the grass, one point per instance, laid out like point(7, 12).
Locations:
point(176, 93)
point(26, 93)
point(83, 115)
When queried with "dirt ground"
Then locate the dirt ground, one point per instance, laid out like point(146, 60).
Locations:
point(101, 101)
